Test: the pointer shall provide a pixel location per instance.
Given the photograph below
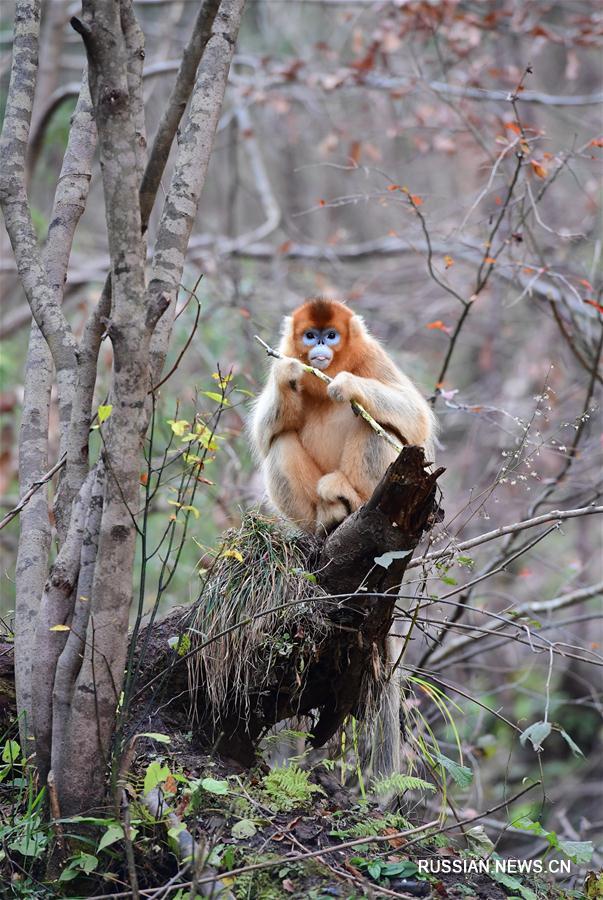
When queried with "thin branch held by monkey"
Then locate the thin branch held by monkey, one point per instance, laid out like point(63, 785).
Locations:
point(358, 409)
point(314, 431)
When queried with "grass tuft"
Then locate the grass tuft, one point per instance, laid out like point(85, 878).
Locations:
point(257, 597)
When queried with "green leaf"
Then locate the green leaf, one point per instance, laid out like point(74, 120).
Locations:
point(228, 858)
point(399, 783)
point(580, 852)
point(156, 736)
point(571, 744)
point(175, 830)
point(462, 775)
point(527, 824)
point(112, 834)
point(404, 869)
point(309, 576)
point(243, 829)
point(11, 752)
point(32, 844)
point(448, 579)
point(155, 774)
point(465, 561)
point(179, 426)
point(217, 397)
point(386, 559)
point(536, 733)
point(374, 868)
point(83, 862)
point(104, 412)
point(513, 884)
point(214, 786)
point(87, 862)
point(479, 841)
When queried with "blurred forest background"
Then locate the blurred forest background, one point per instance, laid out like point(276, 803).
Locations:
point(368, 151)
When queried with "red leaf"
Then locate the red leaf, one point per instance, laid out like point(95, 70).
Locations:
point(595, 304)
point(355, 151)
point(513, 126)
point(538, 168)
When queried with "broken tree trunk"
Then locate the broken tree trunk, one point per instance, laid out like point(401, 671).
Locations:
point(345, 666)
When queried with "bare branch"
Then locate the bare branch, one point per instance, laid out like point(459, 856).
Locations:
point(556, 515)
point(563, 601)
point(176, 104)
point(188, 178)
point(54, 19)
point(13, 196)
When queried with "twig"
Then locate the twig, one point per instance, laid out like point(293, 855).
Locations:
point(156, 387)
point(556, 515)
point(570, 343)
point(10, 515)
point(358, 409)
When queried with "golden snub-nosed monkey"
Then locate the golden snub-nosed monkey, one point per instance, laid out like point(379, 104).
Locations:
point(320, 461)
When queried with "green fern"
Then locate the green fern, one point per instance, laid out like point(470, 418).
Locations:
point(289, 787)
point(369, 827)
point(398, 784)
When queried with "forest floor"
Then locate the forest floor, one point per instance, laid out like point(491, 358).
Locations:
point(289, 832)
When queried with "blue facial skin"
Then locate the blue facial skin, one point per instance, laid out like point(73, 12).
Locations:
point(320, 341)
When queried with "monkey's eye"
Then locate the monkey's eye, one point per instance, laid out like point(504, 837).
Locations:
point(310, 337)
point(332, 336)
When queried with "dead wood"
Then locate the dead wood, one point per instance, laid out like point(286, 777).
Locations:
point(340, 674)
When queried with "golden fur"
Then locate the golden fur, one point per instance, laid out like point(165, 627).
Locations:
point(320, 461)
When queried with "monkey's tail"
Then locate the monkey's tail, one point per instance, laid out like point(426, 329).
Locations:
point(385, 757)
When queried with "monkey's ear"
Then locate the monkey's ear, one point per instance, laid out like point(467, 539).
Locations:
point(357, 326)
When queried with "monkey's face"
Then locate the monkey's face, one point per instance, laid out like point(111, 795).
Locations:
point(318, 333)
point(321, 344)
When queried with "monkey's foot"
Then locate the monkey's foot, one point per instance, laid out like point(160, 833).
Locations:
point(329, 515)
point(335, 488)
point(337, 499)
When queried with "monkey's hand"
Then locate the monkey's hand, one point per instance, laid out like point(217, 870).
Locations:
point(344, 387)
point(288, 373)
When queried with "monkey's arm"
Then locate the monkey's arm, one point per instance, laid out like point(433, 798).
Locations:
point(279, 407)
point(397, 407)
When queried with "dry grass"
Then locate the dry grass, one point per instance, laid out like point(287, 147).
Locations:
point(257, 597)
